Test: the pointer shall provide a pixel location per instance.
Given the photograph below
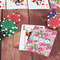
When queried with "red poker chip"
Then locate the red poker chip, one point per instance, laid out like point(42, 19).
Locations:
point(54, 22)
point(15, 17)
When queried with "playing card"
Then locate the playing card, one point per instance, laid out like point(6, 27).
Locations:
point(41, 41)
point(55, 3)
point(2, 4)
point(16, 4)
point(38, 4)
point(26, 31)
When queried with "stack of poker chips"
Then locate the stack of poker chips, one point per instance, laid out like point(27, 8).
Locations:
point(2, 33)
point(0, 23)
point(53, 20)
point(8, 26)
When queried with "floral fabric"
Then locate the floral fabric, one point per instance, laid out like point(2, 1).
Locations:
point(41, 41)
point(55, 3)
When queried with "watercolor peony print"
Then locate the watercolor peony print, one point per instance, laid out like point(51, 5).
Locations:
point(41, 41)
point(55, 3)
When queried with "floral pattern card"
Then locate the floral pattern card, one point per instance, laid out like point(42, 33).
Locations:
point(16, 4)
point(2, 4)
point(55, 3)
point(38, 4)
point(41, 41)
point(26, 31)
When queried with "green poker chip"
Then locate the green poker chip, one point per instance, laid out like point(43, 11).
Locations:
point(9, 27)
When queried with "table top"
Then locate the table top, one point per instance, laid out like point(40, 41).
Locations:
point(10, 45)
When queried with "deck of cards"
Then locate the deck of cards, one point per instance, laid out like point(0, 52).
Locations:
point(37, 39)
point(30, 4)
point(25, 4)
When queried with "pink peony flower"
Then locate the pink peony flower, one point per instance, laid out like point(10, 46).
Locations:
point(47, 35)
point(35, 34)
point(53, 39)
point(30, 41)
point(58, 3)
point(42, 31)
point(41, 49)
point(47, 54)
point(53, 5)
point(36, 44)
point(54, 33)
point(29, 49)
point(48, 30)
point(44, 38)
point(41, 44)
point(37, 28)
point(38, 52)
point(49, 47)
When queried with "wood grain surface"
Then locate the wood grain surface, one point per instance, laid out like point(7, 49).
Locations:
point(10, 45)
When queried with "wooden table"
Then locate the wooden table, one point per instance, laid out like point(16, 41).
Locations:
point(10, 45)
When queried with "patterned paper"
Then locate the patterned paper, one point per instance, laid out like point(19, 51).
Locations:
point(55, 3)
point(26, 31)
point(41, 41)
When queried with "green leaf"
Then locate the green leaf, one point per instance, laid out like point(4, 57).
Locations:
point(35, 41)
point(38, 32)
point(32, 46)
point(41, 34)
point(43, 54)
point(55, 0)
point(57, 7)
point(35, 48)
point(49, 39)
point(41, 27)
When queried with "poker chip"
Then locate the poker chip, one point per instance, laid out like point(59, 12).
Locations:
point(51, 14)
point(0, 24)
point(9, 27)
point(13, 16)
point(2, 34)
point(54, 22)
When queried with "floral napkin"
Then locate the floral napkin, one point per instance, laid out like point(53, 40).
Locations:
point(55, 3)
point(41, 41)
